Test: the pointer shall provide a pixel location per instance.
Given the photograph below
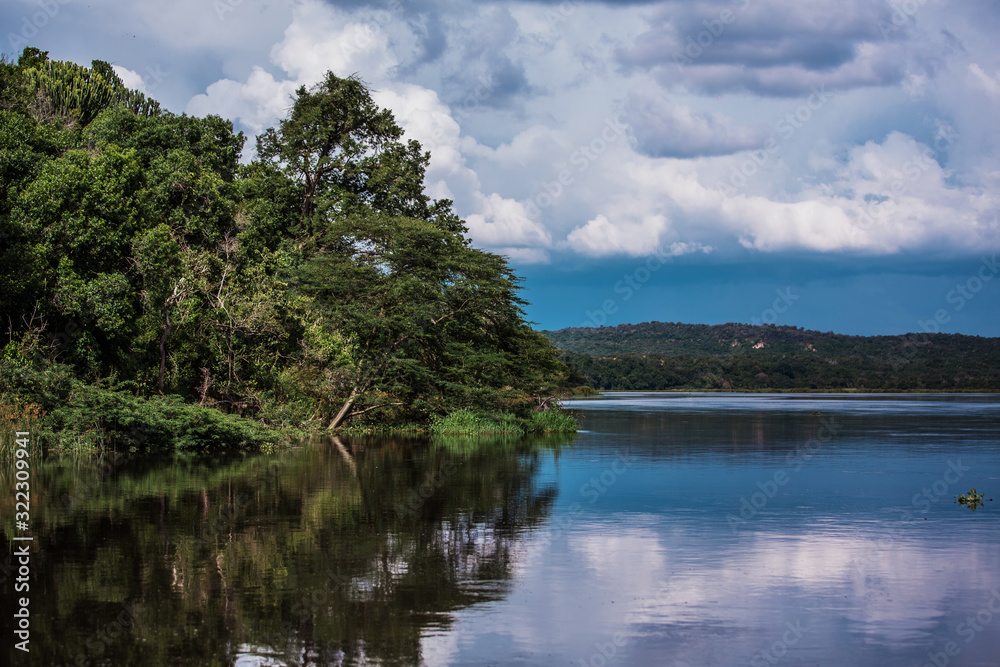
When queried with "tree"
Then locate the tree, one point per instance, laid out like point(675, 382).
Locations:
point(429, 321)
point(317, 282)
point(328, 143)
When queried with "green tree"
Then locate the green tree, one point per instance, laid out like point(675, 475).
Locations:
point(344, 152)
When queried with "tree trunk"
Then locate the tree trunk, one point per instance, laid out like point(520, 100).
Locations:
point(347, 456)
point(343, 411)
point(163, 343)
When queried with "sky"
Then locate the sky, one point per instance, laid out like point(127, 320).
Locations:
point(833, 166)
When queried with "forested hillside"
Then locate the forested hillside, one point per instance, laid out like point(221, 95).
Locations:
point(662, 355)
point(155, 290)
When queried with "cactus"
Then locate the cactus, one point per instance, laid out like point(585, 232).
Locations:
point(81, 93)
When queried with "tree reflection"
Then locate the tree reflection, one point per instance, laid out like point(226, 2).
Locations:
point(339, 552)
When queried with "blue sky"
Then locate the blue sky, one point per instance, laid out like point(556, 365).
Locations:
point(833, 166)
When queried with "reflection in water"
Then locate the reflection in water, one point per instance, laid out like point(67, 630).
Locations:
point(849, 562)
point(317, 555)
point(676, 530)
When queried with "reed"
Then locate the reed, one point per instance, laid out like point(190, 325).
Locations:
point(17, 416)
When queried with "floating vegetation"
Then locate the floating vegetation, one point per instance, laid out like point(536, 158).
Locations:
point(972, 500)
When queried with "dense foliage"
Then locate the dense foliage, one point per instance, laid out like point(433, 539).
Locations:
point(660, 355)
point(316, 285)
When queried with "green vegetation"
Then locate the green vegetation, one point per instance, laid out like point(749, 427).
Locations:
point(17, 417)
point(741, 357)
point(157, 293)
point(467, 422)
point(972, 500)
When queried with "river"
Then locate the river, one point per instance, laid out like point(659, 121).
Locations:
point(674, 529)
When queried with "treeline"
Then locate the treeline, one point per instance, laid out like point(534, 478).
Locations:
point(145, 271)
point(742, 357)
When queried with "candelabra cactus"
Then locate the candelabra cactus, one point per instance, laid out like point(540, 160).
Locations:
point(80, 93)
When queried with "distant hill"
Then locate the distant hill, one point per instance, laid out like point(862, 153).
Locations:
point(671, 355)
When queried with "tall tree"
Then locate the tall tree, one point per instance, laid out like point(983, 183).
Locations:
point(327, 144)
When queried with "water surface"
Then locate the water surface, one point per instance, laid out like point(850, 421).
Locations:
point(676, 529)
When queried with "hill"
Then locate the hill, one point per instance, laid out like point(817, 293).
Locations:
point(672, 355)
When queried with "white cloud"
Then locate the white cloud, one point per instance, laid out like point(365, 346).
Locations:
point(889, 197)
point(257, 104)
point(132, 80)
point(322, 38)
point(496, 157)
point(319, 38)
point(505, 222)
point(988, 83)
point(601, 237)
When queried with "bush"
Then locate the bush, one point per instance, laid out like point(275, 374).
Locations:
point(467, 422)
point(555, 420)
point(15, 415)
point(95, 418)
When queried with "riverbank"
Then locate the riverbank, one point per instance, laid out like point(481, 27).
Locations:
point(95, 420)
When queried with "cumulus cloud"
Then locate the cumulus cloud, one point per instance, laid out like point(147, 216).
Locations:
point(256, 103)
point(322, 38)
point(132, 80)
point(319, 38)
point(887, 198)
point(511, 99)
point(602, 237)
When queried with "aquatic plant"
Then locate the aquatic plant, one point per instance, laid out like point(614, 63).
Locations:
point(972, 499)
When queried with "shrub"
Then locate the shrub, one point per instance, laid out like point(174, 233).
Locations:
point(555, 420)
point(467, 422)
point(95, 417)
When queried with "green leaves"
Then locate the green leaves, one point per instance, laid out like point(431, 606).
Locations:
point(331, 144)
point(79, 93)
point(318, 280)
point(972, 500)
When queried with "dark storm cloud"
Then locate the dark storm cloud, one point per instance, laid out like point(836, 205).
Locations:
point(481, 44)
point(772, 48)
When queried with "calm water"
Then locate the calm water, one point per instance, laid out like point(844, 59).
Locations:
point(675, 530)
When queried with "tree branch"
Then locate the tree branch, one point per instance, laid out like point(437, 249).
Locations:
point(374, 407)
